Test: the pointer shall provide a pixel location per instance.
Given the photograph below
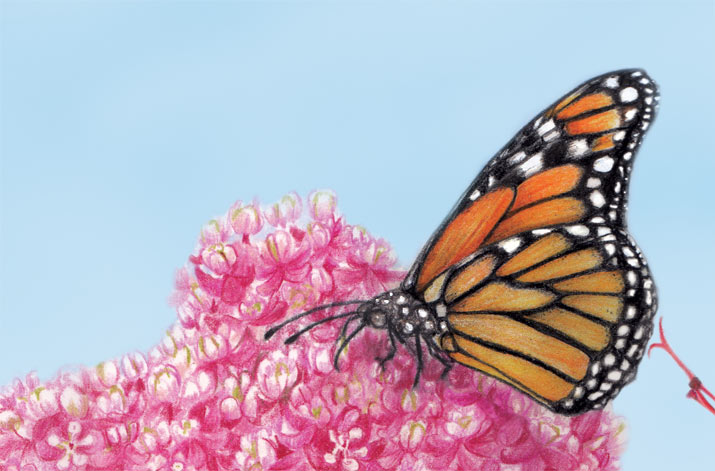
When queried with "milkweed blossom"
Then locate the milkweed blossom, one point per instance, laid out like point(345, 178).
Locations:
point(214, 395)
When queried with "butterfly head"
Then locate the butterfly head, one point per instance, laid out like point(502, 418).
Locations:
point(400, 313)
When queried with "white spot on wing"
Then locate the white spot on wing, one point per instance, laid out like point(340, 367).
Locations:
point(510, 245)
point(603, 165)
point(628, 94)
point(546, 127)
point(593, 183)
point(611, 82)
point(577, 148)
point(578, 230)
point(551, 135)
point(597, 199)
point(516, 158)
point(532, 165)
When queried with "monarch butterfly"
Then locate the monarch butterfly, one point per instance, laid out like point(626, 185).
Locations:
point(533, 278)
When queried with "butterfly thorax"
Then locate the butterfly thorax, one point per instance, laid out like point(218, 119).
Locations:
point(401, 313)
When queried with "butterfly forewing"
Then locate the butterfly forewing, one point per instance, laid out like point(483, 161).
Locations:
point(580, 149)
point(539, 282)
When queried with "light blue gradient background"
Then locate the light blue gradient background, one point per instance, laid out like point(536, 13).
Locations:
point(126, 126)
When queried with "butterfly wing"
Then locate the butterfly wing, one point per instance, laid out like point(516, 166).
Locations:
point(533, 270)
point(563, 315)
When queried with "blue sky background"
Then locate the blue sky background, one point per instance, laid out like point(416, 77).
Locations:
point(126, 126)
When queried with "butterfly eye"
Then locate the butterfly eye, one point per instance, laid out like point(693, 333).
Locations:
point(378, 319)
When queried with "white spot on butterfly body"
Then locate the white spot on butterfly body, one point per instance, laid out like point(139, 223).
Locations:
point(593, 183)
point(628, 94)
point(609, 359)
point(630, 312)
point(475, 194)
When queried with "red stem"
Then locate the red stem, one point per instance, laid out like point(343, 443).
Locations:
point(696, 386)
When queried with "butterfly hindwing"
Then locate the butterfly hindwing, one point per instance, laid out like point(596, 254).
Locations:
point(533, 271)
point(563, 315)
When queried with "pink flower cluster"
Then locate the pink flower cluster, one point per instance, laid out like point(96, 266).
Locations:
point(214, 395)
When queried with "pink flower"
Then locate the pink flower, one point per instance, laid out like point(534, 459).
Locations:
point(277, 374)
point(369, 266)
point(226, 272)
point(69, 444)
point(282, 259)
point(287, 210)
point(323, 204)
point(245, 220)
point(345, 444)
point(214, 395)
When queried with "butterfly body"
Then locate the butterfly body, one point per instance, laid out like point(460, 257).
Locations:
point(533, 277)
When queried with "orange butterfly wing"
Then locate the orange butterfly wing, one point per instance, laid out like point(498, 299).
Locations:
point(533, 271)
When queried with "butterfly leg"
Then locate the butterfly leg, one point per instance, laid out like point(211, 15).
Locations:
point(420, 364)
point(391, 354)
point(434, 351)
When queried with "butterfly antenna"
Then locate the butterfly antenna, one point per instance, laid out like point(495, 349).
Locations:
point(270, 332)
point(308, 327)
point(346, 342)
